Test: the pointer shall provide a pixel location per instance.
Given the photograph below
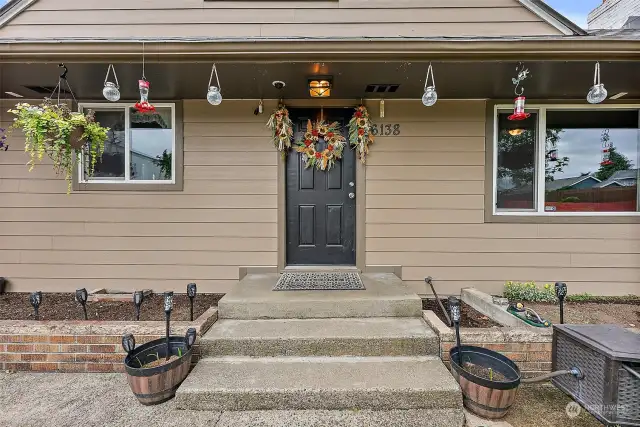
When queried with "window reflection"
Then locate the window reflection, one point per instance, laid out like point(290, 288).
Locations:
point(151, 145)
point(111, 164)
point(516, 174)
point(579, 178)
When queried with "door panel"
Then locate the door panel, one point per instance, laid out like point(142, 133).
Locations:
point(320, 213)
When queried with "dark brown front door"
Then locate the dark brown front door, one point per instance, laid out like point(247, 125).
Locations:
point(321, 215)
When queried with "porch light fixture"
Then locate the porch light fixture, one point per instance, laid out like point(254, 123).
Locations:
point(214, 97)
point(597, 93)
point(320, 88)
point(111, 90)
point(430, 96)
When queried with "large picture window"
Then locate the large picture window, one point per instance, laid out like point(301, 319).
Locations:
point(140, 147)
point(567, 161)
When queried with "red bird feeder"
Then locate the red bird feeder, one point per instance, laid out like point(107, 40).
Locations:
point(518, 110)
point(143, 106)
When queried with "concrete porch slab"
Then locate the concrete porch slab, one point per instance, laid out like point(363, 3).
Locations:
point(332, 383)
point(254, 298)
point(384, 336)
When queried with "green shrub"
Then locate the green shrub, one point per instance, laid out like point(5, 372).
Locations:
point(517, 291)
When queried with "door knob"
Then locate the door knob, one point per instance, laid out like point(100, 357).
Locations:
point(352, 195)
point(351, 184)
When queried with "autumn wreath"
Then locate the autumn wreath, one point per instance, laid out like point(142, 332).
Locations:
point(360, 135)
point(308, 145)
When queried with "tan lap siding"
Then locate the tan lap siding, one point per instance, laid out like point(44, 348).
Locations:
point(425, 212)
point(225, 217)
point(345, 18)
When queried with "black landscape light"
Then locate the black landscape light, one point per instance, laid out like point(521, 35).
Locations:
point(561, 293)
point(81, 297)
point(168, 306)
point(192, 289)
point(36, 299)
point(454, 307)
point(3, 284)
point(190, 337)
point(128, 343)
point(138, 297)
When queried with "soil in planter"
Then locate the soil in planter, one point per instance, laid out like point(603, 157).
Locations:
point(481, 372)
point(469, 317)
point(63, 306)
point(159, 362)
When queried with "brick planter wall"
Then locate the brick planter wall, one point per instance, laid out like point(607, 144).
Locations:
point(82, 346)
point(528, 347)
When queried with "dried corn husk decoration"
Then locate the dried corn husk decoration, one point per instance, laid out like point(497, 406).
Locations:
point(281, 129)
point(360, 135)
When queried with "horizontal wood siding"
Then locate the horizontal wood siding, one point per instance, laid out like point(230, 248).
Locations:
point(425, 212)
point(343, 18)
point(226, 216)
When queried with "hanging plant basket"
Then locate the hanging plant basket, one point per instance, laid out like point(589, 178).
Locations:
point(76, 140)
point(56, 131)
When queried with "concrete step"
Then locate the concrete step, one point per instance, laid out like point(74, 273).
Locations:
point(332, 383)
point(253, 298)
point(393, 418)
point(386, 336)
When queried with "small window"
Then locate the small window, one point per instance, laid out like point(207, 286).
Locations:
point(567, 162)
point(139, 149)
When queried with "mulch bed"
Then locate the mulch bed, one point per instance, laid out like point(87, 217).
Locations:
point(625, 314)
point(63, 306)
point(469, 317)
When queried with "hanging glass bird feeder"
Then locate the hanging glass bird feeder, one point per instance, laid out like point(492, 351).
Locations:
point(111, 90)
point(519, 112)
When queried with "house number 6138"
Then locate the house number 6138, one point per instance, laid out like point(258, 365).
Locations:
point(385, 129)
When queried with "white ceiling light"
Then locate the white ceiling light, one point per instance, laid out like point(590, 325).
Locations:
point(15, 95)
point(619, 95)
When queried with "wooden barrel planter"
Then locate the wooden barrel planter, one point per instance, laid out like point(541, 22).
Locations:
point(485, 397)
point(154, 385)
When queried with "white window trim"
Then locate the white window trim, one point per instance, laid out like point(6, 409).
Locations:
point(541, 110)
point(101, 106)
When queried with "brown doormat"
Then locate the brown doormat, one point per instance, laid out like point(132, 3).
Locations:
point(319, 281)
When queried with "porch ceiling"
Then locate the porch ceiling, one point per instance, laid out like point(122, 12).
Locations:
point(455, 80)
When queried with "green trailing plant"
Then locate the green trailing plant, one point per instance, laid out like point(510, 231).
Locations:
point(529, 291)
point(56, 131)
